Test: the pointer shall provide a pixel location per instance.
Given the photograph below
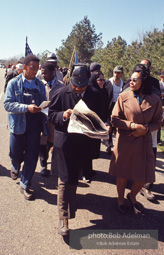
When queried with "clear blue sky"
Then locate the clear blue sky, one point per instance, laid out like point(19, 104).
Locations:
point(48, 22)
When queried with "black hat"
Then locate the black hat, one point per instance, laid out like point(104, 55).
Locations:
point(95, 66)
point(79, 75)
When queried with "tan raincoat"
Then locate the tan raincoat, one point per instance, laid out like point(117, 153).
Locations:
point(133, 157)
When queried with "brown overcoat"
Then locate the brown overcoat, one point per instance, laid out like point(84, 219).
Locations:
point(133, 157)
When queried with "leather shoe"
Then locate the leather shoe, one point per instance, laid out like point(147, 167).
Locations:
point(134, 206)
point(44, 172)
point(13, 175)
point(121, 208)
point(27, 194)
point(147, 193)
point(63, 227)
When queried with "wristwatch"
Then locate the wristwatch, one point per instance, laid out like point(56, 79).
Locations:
point(132, 126)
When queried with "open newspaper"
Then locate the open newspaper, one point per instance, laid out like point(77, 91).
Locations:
point(86, 122)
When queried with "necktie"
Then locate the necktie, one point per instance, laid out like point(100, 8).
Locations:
point(50, 84)
point(80, 96)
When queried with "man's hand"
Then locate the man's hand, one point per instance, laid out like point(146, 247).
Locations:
point(67, 114)
point(33, 108)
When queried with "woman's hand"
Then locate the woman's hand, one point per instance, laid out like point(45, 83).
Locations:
point(140, 130)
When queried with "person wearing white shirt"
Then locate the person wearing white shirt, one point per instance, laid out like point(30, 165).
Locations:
point(117, 84)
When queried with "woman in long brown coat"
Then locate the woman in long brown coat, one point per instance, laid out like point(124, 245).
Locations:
point(136, 114)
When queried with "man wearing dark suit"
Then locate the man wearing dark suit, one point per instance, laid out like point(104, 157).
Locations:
point(72, 152)
point(46, 142)
point(146, 190)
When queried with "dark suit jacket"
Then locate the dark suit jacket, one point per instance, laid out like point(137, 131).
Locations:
point(9, 77)
point(72, 152)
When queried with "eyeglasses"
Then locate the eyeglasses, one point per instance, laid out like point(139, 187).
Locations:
point(100, 79)
point(135, 79)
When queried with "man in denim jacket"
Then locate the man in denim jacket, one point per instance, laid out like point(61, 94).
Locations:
point(23, 96)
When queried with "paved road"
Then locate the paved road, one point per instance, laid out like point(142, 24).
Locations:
point(30, 227)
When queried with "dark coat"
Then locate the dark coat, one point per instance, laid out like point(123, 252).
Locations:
point(9, 77)
point(72, 152)
point(107, 97)
point(107, 94)
point(133, 157)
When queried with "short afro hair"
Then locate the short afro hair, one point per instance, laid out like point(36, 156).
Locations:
point(48, 66)
point(30, 58)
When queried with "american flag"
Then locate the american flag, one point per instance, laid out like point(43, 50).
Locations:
point(28, 51)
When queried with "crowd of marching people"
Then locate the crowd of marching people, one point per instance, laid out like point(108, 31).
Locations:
point(131, 110)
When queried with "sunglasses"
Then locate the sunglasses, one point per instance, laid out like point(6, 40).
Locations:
point(135, 79)
point(100, 79)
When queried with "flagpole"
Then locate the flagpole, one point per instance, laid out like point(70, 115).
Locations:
point(68, 71)
point(72, 57)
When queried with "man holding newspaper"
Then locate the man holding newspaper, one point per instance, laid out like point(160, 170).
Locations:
point(73, 146)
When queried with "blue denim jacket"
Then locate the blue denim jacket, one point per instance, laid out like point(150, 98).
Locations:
point(14, 103)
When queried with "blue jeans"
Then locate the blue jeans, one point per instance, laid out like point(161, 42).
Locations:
point(25, 148)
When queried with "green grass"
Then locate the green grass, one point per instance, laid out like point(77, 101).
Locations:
point(162, 139)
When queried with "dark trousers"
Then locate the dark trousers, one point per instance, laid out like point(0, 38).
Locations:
point(43, 153)
point(66, 200)
point(149, 186)
point(25, 148)
point(159, 136)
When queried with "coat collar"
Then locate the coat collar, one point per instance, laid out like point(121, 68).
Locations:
point(70, 91)
point(131, 103)
point(74, 95)
point(148, 101)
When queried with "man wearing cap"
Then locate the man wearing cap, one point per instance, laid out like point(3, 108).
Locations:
point(72, 152)
point(52, 59)
point(117, 84)
point(19, 70)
